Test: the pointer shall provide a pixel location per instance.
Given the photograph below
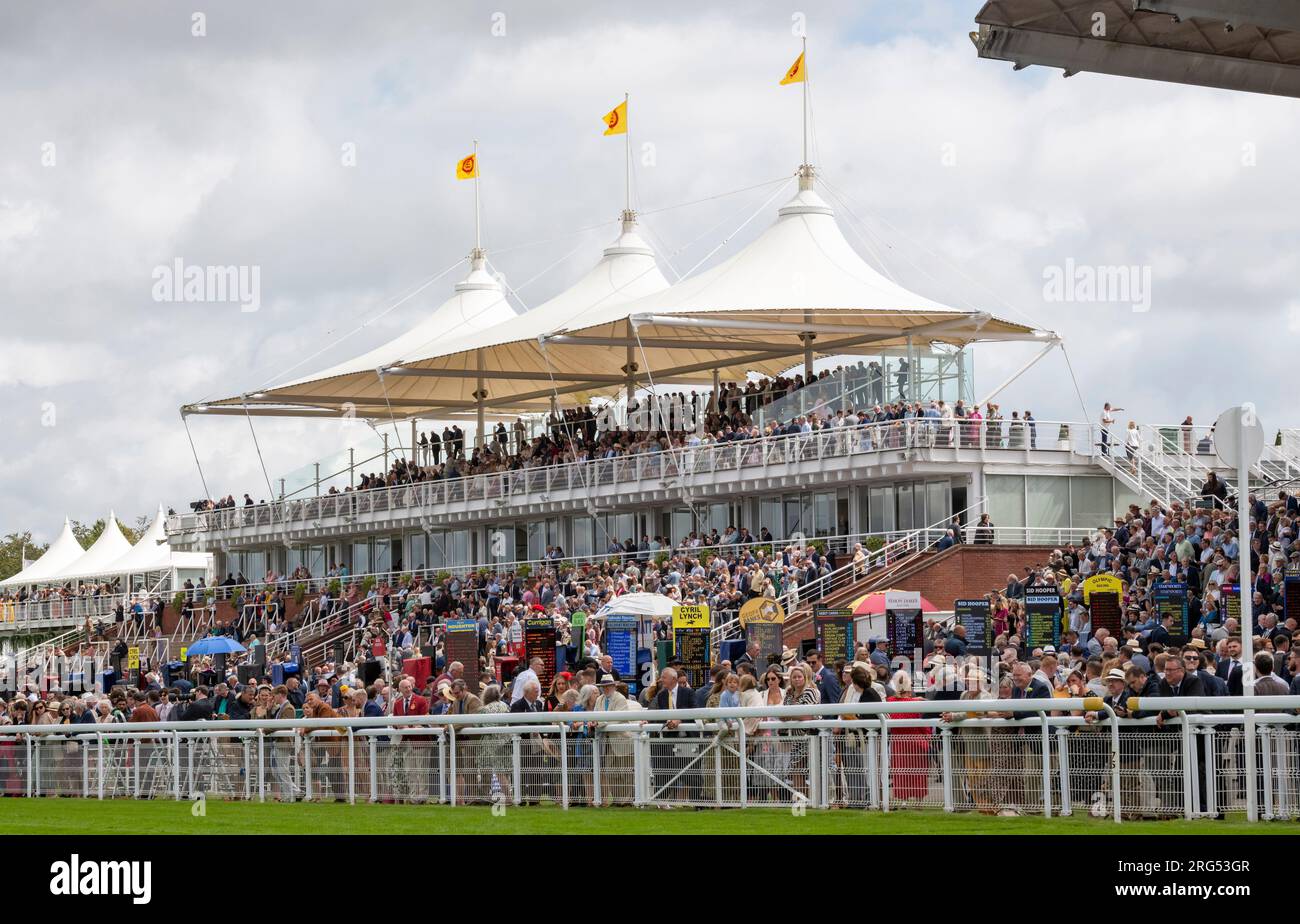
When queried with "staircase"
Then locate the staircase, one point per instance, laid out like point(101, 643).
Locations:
point(883, 562)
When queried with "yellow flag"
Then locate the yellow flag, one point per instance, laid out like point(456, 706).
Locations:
point(616, 120)
point(796, 72)
point(467, 167)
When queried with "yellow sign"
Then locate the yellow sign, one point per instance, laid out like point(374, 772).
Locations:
point(467, 167)
point(133, 658)
point(690, 617)
point(761, 609)
point(1103, 584)
point(185, 654)
point(616, 120)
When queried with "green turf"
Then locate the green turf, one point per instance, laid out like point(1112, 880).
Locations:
point(75, 816)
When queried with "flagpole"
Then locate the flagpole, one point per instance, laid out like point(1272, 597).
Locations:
point(478, 244)
point(627, 147)
point(804, 56)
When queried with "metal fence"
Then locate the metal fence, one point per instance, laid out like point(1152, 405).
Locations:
point(1039, 764)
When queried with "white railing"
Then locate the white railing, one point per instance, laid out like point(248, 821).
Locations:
point(667, 468)
point(1057, 757)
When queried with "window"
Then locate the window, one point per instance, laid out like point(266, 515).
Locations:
point(1091, 502)
point(769, 515)
point(882, 509)
point(1047, 499)
point(938, 497)
point(361, 558)
point(417, 551)
point(1005, 500)
point(905, 519)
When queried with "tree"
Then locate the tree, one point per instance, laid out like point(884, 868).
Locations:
point(12, 550)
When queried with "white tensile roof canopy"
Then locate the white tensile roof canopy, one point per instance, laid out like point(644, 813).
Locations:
point(108, 548)
point(152, 552)
point(111, 555)
point(799, 289)
point(62, 552)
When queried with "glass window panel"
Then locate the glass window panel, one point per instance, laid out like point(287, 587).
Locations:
point(536, 539)
point(316, 561)
point(437, 549)
point(682, 524)
point(1124, 497)
point(583, 529)
point(1005, 498)
point(793, 517)
point(769, 515)
point(904, 494)
point(1091, 502)
point(938, 496)
point(919, 515)
point(824, 514)
point(882, 509)
point(417, 551)
point(361, 558)
point(1047, 499)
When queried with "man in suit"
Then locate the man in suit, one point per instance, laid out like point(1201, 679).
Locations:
point(824, 678)
point(537, 749)
point(1230, 669)
point(1177, 683)
point(283, 768)
point(668, 755)
point(1161, 634)
point(408, 760)
point(1197, 664)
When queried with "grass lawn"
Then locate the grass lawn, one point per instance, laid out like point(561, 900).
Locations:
point(89, 816)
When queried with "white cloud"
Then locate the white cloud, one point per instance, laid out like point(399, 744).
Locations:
point(226, 150)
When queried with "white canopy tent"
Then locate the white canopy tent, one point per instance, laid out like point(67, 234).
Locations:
point(108, 548)
point(63, 551)
point(153, 553)
point(798, 291)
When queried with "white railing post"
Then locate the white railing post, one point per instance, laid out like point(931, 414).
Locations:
point(1063, 761)
point(945, 740)
point(1046, 742)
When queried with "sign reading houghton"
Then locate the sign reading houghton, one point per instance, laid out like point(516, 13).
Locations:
point(974, 616)
point(834, 633)
point(764, 623)
point(620, 645)
point(1042, 619)
point(461, 644)
point(539, 642)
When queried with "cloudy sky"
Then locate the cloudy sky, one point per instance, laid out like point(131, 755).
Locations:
point(130, 142)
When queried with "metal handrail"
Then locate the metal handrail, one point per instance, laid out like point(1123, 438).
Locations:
point(908, 434)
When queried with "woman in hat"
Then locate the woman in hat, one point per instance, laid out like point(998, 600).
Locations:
point(909, 748)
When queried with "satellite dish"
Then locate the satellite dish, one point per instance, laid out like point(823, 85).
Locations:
point(1235, 428)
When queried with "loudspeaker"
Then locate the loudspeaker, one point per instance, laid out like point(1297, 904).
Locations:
point(257, 656)
point(369, 671)
point(807, 645)
point(171, 672)
point(247, 673)
point(338, 655)
point(219, 665)
point(731, 650)
point(107, 680)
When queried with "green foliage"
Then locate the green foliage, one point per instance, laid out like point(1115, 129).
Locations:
point(335, 587)
point(873, 543)
point(299, 593)
point(178, 600)
point(443, 576)
point(12, 549)
point(524, 571)
point(367, 583)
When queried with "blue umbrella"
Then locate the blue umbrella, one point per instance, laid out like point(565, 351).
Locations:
point(216, 644)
